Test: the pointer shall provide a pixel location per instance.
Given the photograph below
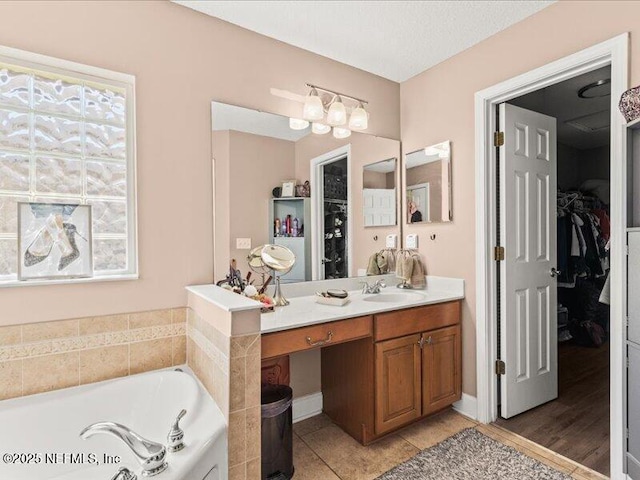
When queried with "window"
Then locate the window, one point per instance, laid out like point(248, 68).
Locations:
point(67, 136)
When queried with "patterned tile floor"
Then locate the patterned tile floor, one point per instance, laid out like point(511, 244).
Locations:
point(321, 450)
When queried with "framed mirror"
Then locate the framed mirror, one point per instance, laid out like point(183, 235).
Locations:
point(379, 193)
point(428, 184)
point(257, 157)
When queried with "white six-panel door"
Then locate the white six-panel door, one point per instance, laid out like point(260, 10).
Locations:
point(528, 295)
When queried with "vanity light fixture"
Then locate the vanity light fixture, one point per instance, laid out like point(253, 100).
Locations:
point(341, 132)
point(337, 113)
point(321, 101)
point(359, 119)
point(320, 128)
point(298, 124)
point(313, 106)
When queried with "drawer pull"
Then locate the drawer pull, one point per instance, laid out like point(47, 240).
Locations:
point(319, 343)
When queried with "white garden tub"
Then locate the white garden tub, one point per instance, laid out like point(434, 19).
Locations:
point(45, 429)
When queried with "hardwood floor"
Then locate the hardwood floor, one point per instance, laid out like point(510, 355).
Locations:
point(576, 425)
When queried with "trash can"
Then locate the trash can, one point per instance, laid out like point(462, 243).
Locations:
point(277, 432)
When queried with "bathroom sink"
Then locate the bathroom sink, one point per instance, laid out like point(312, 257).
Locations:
point(393, 297)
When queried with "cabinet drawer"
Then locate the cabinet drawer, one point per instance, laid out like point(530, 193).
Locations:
point(315, 336)
point(416, 320)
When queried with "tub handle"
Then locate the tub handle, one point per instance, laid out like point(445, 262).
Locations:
point(175, 439)
point(124, 474)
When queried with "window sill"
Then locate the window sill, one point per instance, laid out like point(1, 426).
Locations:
point(68, 281)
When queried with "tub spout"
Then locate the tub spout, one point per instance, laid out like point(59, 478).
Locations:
point(151, 455)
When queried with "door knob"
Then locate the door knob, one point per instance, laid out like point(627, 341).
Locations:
point(554, 272)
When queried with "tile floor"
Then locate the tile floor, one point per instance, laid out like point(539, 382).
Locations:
point(321, 450)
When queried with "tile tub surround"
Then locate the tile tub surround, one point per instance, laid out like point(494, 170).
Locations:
point(41, 357)
point(223, 350)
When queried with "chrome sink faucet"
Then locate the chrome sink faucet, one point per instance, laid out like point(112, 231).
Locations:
point(375, 288)
point(150, 455)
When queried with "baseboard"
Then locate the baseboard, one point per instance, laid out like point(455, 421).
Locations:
point(467, 406)
point(307, 406)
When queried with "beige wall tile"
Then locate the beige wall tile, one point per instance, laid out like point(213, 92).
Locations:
point(238, 472)
point(254, 469)
point(10, 379)
point(150, 355)
point(36, 332)
point(106, 323)
point(10, 335)
point(253, 378)
point(179, 350)
point(50, 372)
point(253, 422)
point(104, 363)
point(237, 384)
point(221, 390)
point(149, 319)
point(237, 438)
point(179, 315)
point(245, 345)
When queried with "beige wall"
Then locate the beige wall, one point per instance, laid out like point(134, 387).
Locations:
point(365, 149)
point(248, 167)
point(438, 104)
point(182, 61)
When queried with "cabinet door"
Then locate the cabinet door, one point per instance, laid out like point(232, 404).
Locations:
point(441, 369)
point(398, 378)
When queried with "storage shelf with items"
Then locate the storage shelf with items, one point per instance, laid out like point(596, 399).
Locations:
point(335, 239)
point(288, 218)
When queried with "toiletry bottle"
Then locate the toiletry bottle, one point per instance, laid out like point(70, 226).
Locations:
point(288, 225)
point(277, 227)
point(294, 229)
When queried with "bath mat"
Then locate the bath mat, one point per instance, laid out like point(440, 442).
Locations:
point(470, 455)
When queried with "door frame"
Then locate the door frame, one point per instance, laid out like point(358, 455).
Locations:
point(612, 52)
point(427, 207)
point(317, 195)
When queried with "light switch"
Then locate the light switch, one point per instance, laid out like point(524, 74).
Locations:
point(243, 243)
point(412, 241)
point(392, 241)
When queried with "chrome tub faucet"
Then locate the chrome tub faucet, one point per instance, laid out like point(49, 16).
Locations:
point(150, 455)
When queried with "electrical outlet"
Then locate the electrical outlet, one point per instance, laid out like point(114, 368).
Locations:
point(412, 241)
point(392, 241)
point(243, 243)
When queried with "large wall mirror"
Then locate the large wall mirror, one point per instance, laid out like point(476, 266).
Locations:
point(428, 184)
point(261, 165)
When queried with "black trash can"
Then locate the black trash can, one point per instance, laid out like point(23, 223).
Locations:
point(277, 432)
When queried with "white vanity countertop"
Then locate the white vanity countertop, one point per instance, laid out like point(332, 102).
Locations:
point(303, 310)
point(224, 299)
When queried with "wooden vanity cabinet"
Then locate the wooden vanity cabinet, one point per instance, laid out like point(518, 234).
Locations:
point(416, 357)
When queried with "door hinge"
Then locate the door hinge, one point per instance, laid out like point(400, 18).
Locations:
point(500, 367)
point(498, 139)
point(498, 254)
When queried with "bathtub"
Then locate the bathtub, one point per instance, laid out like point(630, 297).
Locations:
point(40, 433)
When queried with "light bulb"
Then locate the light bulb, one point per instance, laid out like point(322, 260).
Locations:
point(298, 124)
point(337, 114)
point(320, 128)
point(313, 108)
point(359, 119)
point(341, 132)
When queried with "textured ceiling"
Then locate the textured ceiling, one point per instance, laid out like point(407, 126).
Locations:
point(393, 39)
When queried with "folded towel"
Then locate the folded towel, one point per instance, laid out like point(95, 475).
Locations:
point(404, 268)
point(390, 258)
point(382, 263)
point(418, 279)
point(372, 267)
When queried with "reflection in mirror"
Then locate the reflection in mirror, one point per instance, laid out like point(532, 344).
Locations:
point(428, 184)
point(257, 157)
point(379, 193)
